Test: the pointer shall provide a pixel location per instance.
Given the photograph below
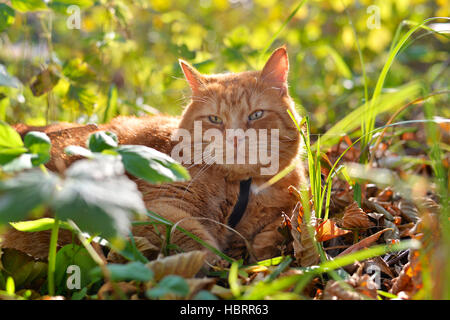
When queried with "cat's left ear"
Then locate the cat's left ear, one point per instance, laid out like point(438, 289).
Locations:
point(277, 67)
point(193, 77)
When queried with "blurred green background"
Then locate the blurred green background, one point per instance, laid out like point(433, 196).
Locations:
point(124, 58)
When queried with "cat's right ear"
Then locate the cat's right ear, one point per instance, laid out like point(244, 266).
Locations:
point(193, 77)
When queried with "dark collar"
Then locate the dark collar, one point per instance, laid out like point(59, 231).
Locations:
point(241, 204)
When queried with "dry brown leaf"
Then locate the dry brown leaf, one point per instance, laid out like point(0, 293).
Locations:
point(328, 230)
point(196, 285)
point(372, 205)
point(364, 243)
point(405, 229)
point(185, 265)
point(381, 264)
point(304, 247)
point(408, 210)
point(385, 195)
point(393, 233)
point(356, 288)
point(404, 280)
point(355, 217)
point(341, 196)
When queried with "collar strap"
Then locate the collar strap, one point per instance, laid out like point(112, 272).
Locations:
point(241, 204)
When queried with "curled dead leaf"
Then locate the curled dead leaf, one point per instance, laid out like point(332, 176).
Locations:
point(328, 230)
point(185, 265)
point(408, 210)
point(381, 264)
point(304, 247)
point(355, 217)
point(403, 282)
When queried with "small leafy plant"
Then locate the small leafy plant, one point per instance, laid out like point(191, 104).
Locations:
point(94, 195)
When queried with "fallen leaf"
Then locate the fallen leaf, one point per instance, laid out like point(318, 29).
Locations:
point(304, 244)
point(372, 205)
point(385, 195)
point(408, 210)
point(328, 230)
point(355, 217)
point(185, 265)
point(357, 287)
point(381, 264)
point(363, 243)
point(393, 233)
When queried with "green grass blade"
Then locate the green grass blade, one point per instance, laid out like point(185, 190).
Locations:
point(289, 18)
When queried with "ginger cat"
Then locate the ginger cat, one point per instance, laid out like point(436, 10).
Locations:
point(247, 100)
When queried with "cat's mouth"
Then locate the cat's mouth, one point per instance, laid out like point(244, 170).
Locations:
point(235, 150)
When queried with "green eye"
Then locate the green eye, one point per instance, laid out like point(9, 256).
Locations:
point(256, 115)
point(215, 119)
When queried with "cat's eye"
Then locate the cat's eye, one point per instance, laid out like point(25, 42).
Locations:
point(215, 119)
point(256, 115)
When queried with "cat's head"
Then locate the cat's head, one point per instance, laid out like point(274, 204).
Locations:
point(228, 112)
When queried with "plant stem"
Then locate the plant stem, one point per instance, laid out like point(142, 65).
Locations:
point(52, 258)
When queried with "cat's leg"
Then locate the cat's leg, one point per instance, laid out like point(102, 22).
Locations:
point(267, 243)
point(185, 220)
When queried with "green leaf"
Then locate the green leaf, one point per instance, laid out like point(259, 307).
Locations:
point(98, 197)
point(151, 165)
point(7, 16)
point(11, 145)
point(169, 285)
point(18, 163)
point(9, 138)
point(102, 140)
point(38, 225)
point(73, 254)
point(132, 253)
point(79, 295)
point(127, 272)
point(39, 144)
point(23, 193)
point(78, 71)
point(79, 151)
point(28, 5)
point(23, 268)
point(205, 295)
point(81, 98)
